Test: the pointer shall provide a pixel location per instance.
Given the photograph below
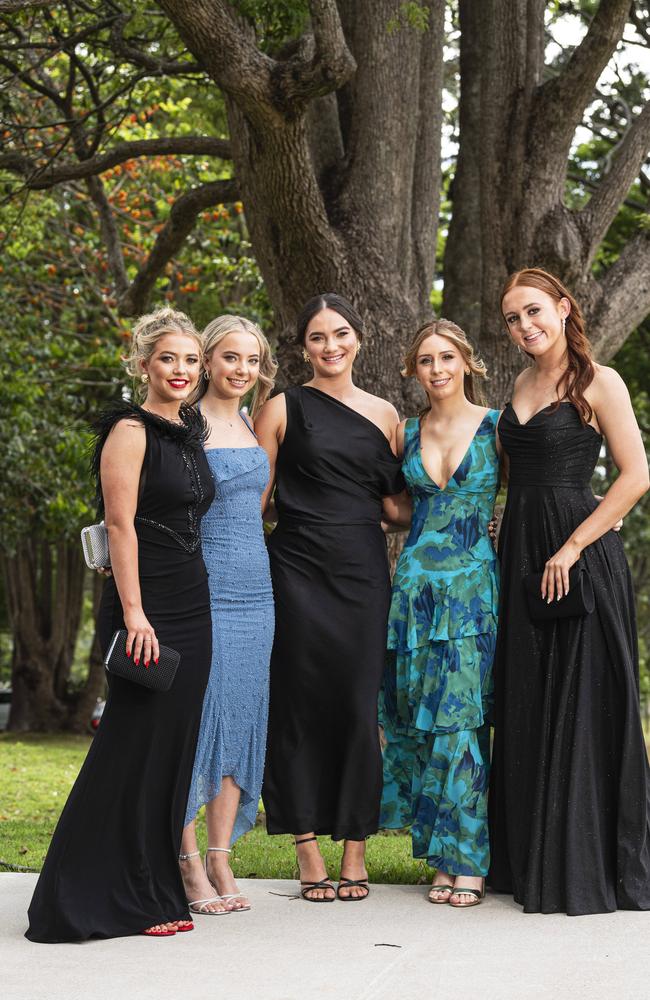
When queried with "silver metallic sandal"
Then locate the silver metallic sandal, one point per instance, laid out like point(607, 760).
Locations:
point(197, 905)
point(228, 895)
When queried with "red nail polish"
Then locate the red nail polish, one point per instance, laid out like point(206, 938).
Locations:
point(137, 661)
point(156, 661)
point(146, 663)
point(128, 652)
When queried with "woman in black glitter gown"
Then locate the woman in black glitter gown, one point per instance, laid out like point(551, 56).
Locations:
point(570, 788)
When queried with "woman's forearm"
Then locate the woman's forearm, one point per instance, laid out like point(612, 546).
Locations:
point(617, 502)
point(397, 511)
point(123, 545)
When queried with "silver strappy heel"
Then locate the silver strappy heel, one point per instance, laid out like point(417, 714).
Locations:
point(228, 895)
point(198, 905)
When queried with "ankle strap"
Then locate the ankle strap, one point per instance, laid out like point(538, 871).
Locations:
point(186, 857)
point(226, 850)
point(306, 840)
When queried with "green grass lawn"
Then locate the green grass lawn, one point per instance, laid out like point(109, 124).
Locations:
point(37, 771)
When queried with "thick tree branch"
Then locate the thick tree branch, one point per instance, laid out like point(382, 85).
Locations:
point(323, 62)
point(625, 165)
point(563, 98)
point(223, 43)
point(13, 6)
point(39, 178)
point(422, 235)
point(171, 237)
point(624, 298)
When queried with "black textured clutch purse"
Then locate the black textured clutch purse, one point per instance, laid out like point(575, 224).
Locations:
point(578, 602)
point(157, 676)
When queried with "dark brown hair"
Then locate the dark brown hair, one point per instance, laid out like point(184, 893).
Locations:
point(580, 369)
point(328, 300)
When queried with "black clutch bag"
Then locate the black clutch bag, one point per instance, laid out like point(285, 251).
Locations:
point(578, 602)
point(157, 676)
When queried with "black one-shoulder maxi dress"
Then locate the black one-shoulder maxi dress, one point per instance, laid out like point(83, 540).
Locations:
point(112, 867)
point(331, 585)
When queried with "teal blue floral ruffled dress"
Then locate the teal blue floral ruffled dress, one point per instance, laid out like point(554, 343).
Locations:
point(437, 693)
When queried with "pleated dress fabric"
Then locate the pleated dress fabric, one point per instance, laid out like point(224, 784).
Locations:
point(112, 868)
point(570, 788)
point(331, 585)
point(232, 735)
point(437, 692)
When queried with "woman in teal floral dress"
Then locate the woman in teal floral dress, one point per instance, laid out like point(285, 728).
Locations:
point(441, 635)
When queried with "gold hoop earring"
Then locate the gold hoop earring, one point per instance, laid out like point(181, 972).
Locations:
point(144, 378)
point(206, 375)
point(305, 357)
point(358, 351)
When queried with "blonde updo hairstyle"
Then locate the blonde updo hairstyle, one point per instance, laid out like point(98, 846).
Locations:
point(147, 331)
point(445, 328)
point(215, 332)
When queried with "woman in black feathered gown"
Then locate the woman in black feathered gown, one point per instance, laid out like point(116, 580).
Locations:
point(112, 867)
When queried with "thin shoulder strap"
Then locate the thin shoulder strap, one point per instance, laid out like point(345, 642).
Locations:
point(248, 423)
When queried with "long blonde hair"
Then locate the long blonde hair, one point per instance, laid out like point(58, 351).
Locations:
point(146, 333)
point(445, 328)
point(215, 332)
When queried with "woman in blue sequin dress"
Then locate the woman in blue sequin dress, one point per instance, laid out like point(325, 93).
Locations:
point(437, 693)
point(229, 760)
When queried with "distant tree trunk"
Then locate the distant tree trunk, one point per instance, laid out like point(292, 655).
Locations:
point(44, 591)
point(516, 131)
point(82, 706)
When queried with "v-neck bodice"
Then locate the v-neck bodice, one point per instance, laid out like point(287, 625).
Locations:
point(472, 490)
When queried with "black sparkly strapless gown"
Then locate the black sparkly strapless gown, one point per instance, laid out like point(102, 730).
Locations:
point(570, 787)
point(112, 867)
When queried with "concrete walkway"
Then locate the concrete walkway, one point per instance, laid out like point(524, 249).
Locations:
point(396, 945)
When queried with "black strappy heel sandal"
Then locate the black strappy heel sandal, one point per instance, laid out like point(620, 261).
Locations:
point(324, 883)
point(345, 883)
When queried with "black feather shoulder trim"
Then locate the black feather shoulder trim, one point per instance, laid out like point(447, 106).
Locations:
point(192, 432)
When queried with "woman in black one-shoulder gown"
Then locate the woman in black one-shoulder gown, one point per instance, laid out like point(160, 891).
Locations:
point(112, 867)
point(331, 584)
point(333, 466)
point(570, 783)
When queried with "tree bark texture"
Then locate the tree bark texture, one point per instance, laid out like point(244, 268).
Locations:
point(516, 131)
point(44, 588)
point(336, 150)
point(337, 157)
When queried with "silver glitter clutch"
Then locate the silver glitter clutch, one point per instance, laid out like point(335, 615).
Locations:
point(94, 542)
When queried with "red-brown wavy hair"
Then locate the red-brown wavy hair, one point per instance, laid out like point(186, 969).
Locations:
point(580, 369)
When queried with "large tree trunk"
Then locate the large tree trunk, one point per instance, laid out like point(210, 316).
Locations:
point(44, 588)
point(508, 192)
point(341, 190)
